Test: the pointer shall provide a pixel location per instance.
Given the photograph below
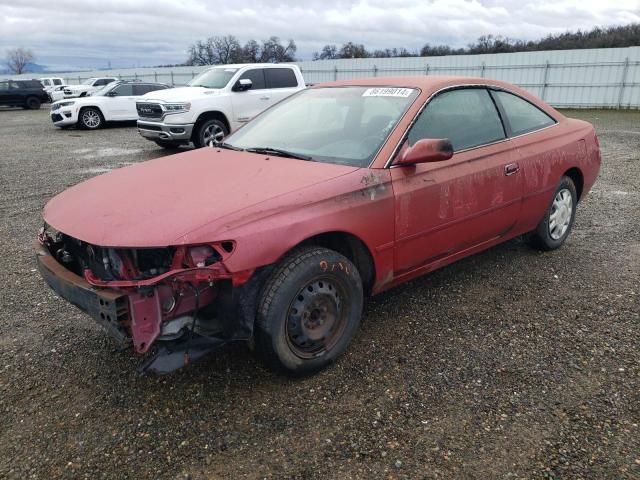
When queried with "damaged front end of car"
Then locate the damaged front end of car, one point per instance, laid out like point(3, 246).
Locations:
point(173, 304)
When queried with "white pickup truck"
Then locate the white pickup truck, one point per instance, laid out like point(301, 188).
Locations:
point(216, 102)
point(87, 87)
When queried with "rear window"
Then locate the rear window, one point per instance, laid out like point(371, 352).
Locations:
point(57, 81)
point(281, 78)
point(28, 84)
point(523, 117)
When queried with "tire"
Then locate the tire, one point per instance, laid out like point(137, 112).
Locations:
point(207, 130)
point(167, 144)
point(556, 224)
point(90, 118)
point(32, 103)
point(309, 309)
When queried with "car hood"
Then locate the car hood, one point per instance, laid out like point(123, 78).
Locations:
point(181, 94)
point(158, 202)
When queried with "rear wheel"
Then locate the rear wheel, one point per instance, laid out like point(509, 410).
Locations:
point(555, 226)
point(209, 133)
point(32, 103)
point(309, 310)
point(91, 118)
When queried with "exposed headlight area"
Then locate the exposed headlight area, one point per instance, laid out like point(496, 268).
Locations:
point(176, 107)
point(58, 106)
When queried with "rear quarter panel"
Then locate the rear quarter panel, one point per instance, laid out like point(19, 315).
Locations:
point(545, 156)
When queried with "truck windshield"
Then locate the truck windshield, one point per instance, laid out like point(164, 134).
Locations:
point(214, 78)
point(342, 125)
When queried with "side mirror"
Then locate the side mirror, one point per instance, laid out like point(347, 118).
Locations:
point(112, 93)
point(425, 151)
point(243, 84)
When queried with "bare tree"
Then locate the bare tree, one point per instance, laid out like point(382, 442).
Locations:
point(18, 59)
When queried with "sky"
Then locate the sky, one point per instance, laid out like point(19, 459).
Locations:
point(65, 34)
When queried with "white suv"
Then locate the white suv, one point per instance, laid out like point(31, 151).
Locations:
point(215, 103)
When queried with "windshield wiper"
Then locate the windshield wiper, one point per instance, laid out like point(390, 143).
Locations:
point(229, 146)
point(279, 151)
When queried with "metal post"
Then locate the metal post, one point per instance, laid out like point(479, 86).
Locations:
point(155, 76)
point(135, 75)
point(426, 70)
point(193, 74)
point(172, 82)
point(546, 79)
point(482, 69)
point(622, 83)
point(79, 82)
point(375, 70)
point(335, 73)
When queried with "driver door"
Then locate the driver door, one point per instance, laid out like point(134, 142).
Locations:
point(249, 103)
point(449, 207)
point(121, 102)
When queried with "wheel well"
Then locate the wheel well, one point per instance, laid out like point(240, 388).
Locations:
point(211, 115)
point(578, 180)
point(90, 106)
point(351, 247)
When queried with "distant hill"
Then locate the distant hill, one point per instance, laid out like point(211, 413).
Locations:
point(31, 68)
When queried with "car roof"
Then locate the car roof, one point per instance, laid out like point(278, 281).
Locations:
point(242, 65)
point(426, 83)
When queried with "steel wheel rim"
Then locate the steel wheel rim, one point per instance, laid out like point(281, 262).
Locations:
point(212, 135)
point(561, 213)
point(91, 119)
point(316, 318)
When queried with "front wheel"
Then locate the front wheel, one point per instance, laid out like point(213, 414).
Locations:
point(209, 133)
point(91, 118)
point(309, 310)
point(555, 226)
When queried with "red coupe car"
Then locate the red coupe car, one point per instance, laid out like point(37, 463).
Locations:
point(341, 191)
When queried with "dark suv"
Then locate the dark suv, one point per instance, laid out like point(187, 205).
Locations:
point(22, 93)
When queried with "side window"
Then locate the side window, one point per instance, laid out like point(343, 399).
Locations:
point(125, 90)
point(467, 117)
point(142, 89)
point(102, 82)
point(46, 82)
point(16, 85)
point(4, 85)
point(256, 76)
point(281, 78)
point(523, 117)
point(57, 81)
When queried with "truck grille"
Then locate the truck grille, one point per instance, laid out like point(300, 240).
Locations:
point(149, 110)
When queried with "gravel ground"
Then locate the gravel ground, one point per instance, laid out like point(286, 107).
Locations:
point(509, 364)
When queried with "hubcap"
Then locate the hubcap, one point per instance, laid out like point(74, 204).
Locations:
point(561, 211)
point(91, 119)
point(316, 318)
point(213, 135)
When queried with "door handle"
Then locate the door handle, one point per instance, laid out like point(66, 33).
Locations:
point(511, 168)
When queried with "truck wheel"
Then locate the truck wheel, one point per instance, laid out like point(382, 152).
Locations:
point(210, 132)
point(555, 226)
point(32, 103)
point(309, 310)
point(91, 118)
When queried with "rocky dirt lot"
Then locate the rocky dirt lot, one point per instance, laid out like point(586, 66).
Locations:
point(509, 364)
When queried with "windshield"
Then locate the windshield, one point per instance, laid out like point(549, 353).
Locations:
point(102, 91)
point(89, 81)
point(342, 125)
point(214, 78)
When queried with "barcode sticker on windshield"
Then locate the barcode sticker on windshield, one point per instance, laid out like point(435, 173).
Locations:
point(387, 92)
